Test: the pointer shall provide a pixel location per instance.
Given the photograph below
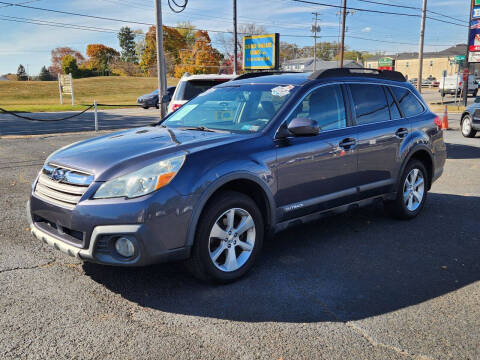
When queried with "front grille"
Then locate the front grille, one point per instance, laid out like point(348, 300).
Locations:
point(62, 186)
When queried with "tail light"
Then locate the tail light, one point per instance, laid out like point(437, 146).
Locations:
point(438, 122)
point(176, 107)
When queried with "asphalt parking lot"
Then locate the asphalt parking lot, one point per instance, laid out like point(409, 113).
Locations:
point(354, 286)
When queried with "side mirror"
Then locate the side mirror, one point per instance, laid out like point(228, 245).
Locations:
point(303, 127)
point(477, 99)
point(166, 98)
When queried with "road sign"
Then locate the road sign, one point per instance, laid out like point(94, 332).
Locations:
point(261, 51)
point(459, 58)
point(65, 86)
point(474, 57)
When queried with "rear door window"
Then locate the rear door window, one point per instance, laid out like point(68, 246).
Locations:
point(409, 103)
point(370, 103)
point(189, 89)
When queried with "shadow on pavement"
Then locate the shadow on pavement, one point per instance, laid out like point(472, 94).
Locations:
point(342, 268)
point(459, 151)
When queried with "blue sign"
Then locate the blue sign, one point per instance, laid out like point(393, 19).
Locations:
point(476, 13)
point(260, 52)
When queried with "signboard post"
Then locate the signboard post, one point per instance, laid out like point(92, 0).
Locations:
point(444, 73)
point(65, 87)
point(261, 52)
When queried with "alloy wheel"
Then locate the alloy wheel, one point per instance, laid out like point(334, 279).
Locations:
point(232, 239)
point(413, 189)
point(466, 126)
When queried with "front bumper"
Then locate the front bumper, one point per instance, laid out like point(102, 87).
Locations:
point(157, 225)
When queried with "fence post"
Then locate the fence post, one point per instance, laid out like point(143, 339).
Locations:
point(60, 89)
point(96, 114)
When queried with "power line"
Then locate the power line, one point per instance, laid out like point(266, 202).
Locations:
point(410, 7)
point(376, 11)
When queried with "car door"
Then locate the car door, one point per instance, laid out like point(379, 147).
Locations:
point(317, 172)
point(381, 131)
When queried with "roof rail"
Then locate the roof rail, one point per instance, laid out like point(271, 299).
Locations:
point(358, 72)
point(263, 73)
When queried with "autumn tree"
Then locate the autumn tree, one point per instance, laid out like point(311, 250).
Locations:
point(126, 37)
point(173, 43)
point(21, 73)
point(187, 30)
point(57, 55)
point(100, 57)
point(69, 65)
point(203, 58)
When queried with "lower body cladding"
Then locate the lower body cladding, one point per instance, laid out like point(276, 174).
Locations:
point(134, 232)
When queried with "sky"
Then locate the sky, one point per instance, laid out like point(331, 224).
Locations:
point(30, 44)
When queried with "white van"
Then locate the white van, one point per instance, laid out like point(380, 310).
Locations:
point(451, 85)
point(190, 86)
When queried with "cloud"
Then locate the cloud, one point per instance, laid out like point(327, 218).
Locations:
point(366, 29)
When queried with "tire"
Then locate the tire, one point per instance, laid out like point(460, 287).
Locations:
point(466, 127)
point(402, 207)
point(475, 92)
point(245, 246)
point(442, 93)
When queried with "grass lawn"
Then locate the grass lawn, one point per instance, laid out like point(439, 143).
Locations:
point(33, 96)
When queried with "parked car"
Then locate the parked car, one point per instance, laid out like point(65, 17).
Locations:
point(451, 86)
point(470, 120)
point(151, 100)
point(190, 86)
point(241, 161)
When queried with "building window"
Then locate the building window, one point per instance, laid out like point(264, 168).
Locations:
point(431, 62)
point(406, 64)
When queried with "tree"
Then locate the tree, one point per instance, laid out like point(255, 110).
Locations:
point(203, 58)
point(187, 30)
point(100, 57)
point(173, 44)
point(57, 55)
point(126, 38)
point(21, 73)
point(44, 74)
point(69, 65)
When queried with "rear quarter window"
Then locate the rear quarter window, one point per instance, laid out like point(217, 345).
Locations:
point(409, 104)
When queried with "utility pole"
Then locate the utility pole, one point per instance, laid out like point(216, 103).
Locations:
point(314, 30)
point(235, 37)
point(420, 49)
point(342, 45)
point(161, 67)
point(467, 64)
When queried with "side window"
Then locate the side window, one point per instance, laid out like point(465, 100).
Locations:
point(370, 103)
point(392, 105)
point(325, 105)
point(408, 102)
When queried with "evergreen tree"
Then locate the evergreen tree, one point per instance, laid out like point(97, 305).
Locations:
point(21, 73)
point(44, 74)
point(127, 42)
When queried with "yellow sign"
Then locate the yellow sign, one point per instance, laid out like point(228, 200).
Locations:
point(261, 51)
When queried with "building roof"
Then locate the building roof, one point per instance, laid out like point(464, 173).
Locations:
point(459, 49)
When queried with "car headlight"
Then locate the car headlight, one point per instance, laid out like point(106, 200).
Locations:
point(143, 181)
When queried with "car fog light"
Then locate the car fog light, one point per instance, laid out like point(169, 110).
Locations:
point(124, 247)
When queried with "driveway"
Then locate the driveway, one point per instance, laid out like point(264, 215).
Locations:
point(354, 286)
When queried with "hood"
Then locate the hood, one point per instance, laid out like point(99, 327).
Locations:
point(122, 152)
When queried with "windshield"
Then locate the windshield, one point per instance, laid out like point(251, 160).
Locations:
point(241, 108)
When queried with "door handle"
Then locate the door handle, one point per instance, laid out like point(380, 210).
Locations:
point(347, 143)
point(401, 133)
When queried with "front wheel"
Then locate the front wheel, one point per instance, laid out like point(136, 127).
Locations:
point(467, 127)
point(228, 239)
point(411, 192)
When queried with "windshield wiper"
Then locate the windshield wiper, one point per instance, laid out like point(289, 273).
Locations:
point(202, 128)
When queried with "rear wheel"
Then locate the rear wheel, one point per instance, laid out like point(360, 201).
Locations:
point(467, 127)
point(228, 239)
point(411, 192)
